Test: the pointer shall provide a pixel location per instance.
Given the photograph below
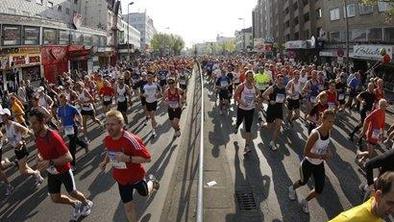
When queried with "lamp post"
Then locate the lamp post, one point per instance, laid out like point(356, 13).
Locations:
point(128, 28)
point(347, 37)
point(243, 34)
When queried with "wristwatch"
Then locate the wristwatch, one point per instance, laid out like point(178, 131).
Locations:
point(51, 163)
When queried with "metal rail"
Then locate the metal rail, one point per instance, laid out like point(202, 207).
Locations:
point(200, 188)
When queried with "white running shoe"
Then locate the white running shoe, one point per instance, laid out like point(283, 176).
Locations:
point(87, 208)
point(292, 193)
point(76, 213)
point(153, 133)
point(305, 206)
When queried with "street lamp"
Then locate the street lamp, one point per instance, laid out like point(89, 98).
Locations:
point(243, 33)
point(128, 27)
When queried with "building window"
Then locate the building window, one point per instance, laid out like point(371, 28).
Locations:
point(305, 2)
point(77, 38)
point(31, 36)
point(319, 13)
point(50, 4)
point(365, 9)
point(358, 35)
point(306, 17)
point(49, 36)
point(11, 35)
point(288, 37)
point(296, 21)
point(375, 34)
point(384, 6)
point(335, 36)
point(389, 35)
point(59, 8)
point(296, 35)
point(334, 14)
point(64, 37)
point(39, 2)
point(287, 24)
point(351, 10)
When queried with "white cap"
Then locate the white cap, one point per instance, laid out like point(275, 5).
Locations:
point(5, 112)
point(40, 89)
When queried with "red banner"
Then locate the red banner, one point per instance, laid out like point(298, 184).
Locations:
point(54, 60)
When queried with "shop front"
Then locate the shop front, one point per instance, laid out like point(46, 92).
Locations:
point(300, 50)
point(78, 56)
point(19, 64)
point(106, 56)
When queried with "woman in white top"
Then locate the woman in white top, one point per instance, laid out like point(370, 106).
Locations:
point(14, 133)
point(316, 152)
point(85, 100)
point(246, 95)
point(151, 93)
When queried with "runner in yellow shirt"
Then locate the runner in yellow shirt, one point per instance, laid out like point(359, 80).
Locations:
point(377, 207)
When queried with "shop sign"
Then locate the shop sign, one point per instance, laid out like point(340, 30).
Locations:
point(299, 44)
point(19, 60)
point(34, 59)
point(371, 51)
point(327, 54)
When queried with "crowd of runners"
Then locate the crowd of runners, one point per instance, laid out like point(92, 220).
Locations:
point(55, 113)
point(276, 92)
point(260, 89)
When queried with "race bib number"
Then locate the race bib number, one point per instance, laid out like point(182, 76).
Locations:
point(182, 82)
point(260, 86)
point(52, 170)
point(107, 98)
point(341, 97)
point(116, 164)
point(121, 98)
point(173, 104)
point(249, 100)
point(223, 83)
point(313, 99)
point(280, 98)
point(69, 130)
point(376, 133)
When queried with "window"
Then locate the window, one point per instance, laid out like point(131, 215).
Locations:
point(305, 2)
point(87, 39)
point(67, 11)
point(351, 10)
point(31, 35)
point(64, 37)
point(11, 35)
point(296, 35)
point(358, 35)
point(306, 17)
point(50, 4)
point(296, 21)
point(334, 14)
point(384, 6)
point(287, 24)
point(319, 13)
point(77, 38)
point(59, 8)
point(365, 9)
point(307, 34)
point(375, 34)
point(335, 36)
point(389, 35)
point(39, 2)
point(75, 1)
point(49, 36)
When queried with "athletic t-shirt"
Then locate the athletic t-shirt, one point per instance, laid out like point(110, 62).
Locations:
point(130, 145)
point(107, 91)
point(52, 146)
point(66, 114)
point(369, 99)
point(376, 125)
point(361, 213)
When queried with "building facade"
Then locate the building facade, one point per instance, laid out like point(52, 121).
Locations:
point(244, 40)
point(144, 24)
point(44, 38)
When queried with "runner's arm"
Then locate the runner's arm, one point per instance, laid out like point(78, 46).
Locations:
point(374, 163)
point(267, 93)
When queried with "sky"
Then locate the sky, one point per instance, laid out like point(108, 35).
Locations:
point(196, 20)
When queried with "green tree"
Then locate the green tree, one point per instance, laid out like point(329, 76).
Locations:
point(167, 44)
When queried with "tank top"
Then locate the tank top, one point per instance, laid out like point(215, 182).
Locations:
point(13, 136)
point(297, 90)
point(331, 99)
point(173, 99)
point(320, 148)
point(83, 98)
point(278, 95)
point(248, 96)
point(150, 91)
point(315, 89)
point(121, 93)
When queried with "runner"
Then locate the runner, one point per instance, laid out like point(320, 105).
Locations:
point(311, 90)
point(151, 93)
point(107, 92)
point(293, 90)
point(373, 129)
point(276, 96)
point(183, 80)
point(67, 114)
point(315, 115)
point(127, 153)
point(14, 133)
point(143, 81)
point(54, 157)
point(86, 102)
point(378, 207)
point(332, 96)
point(123, 97)
point(18, 110)
point(316, 152)
point(44, 100)
point(367, 99)
point(222, 84)
point(246, 95)
point(174, 98)
point(355, 86)
point(340, 86)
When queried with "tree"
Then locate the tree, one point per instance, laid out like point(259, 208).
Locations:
point(165, 44)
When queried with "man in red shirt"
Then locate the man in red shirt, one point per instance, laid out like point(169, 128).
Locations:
point(126, 152)
point(107, 92)
point(54, 157)
point(373, 130)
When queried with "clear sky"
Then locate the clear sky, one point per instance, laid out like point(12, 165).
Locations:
point(196, 20)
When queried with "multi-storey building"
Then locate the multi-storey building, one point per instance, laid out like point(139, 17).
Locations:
point(244, 40)
point(144, 24)
point(44, 38)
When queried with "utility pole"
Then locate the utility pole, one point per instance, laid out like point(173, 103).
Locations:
point(347, 38)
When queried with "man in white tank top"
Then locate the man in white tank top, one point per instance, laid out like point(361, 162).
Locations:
point(293, 90)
